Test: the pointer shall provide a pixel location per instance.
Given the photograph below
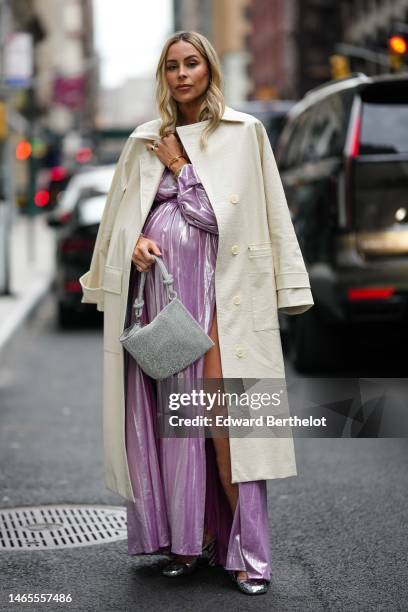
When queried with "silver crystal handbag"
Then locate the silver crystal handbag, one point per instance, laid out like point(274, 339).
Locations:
point(169, 343)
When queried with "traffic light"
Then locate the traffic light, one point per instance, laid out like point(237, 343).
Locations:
point(398, 44)
point(23, 150)
point(397, 51)
point(339, 66)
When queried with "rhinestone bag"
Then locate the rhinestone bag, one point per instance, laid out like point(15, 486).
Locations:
point(169, 343)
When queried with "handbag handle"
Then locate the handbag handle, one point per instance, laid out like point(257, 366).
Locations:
point(167, 282)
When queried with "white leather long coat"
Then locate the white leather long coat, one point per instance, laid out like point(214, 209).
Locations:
point(259, 270)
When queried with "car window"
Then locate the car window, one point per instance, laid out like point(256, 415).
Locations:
point(97, 180)
point(308, 140)
point(90, 210)
point(384, 126)
point(290, 156)
point(320, 131)
point(327, 130)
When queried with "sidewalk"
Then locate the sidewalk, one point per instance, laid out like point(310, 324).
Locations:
point(32, 271)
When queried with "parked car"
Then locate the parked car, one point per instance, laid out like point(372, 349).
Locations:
point(272, 113)
point(97, 178)
point(74, 247)
point(77, 228)
point(343, 159)
point(51, 183)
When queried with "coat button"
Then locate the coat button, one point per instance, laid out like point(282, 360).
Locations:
point(239, 351)
point(234, 198)
point(234, 249)
point(236, 299)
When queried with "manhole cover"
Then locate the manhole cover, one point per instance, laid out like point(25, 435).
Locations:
point(64, 526)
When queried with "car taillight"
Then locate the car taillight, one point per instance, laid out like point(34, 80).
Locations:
point(83, 155)
point(355, 137)
point(42, 198)
point(370, 293)
point(74, 245)
point(73, 286)
point(58, 173)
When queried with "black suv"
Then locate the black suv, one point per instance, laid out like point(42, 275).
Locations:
point(343, 159)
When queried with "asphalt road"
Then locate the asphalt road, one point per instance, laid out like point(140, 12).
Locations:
point(338, 530)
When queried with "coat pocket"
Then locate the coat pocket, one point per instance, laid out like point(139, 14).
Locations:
point(260, 257)
point(112, 287)
point(264, 307)
point(261, 249)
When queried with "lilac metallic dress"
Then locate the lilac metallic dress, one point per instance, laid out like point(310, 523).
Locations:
point(175, 480)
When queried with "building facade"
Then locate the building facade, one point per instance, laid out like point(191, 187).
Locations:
point(226, 23)
point(289, 46)
point(193, 15)
point(366, 27)
point(291, 41)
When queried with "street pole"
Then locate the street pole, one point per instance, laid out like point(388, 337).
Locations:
point(6, 164)
point(32, 172)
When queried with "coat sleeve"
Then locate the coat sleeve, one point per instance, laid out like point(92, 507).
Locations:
point(92, 281)
point(292, 280)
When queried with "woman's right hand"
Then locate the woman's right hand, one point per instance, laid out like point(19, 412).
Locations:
point(141, 255)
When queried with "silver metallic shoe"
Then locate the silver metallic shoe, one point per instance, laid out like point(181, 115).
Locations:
point(176, 568)
point(251, 586)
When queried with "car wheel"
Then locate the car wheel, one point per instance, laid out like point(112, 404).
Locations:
point(313, 343)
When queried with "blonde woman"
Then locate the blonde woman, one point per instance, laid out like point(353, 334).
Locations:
point(224, 213)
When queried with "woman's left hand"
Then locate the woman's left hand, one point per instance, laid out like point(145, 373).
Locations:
point(167, 148)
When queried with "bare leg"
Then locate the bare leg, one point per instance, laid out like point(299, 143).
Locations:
point(213, 369)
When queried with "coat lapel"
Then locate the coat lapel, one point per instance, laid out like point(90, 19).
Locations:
point(151, 168)
point(151, 171)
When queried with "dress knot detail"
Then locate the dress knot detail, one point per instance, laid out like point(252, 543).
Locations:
point(168, 280)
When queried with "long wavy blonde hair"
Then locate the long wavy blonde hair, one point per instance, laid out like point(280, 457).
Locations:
point(213, 105)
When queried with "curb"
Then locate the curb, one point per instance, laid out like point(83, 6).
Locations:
point(31, 277)
point(21, 312)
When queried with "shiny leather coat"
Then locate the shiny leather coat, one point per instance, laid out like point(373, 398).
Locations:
point(259, 270)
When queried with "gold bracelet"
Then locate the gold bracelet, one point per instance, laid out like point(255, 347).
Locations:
point(171, 162)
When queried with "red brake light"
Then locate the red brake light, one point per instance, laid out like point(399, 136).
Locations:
point(355, 138)
point(84, 155)
point(42, 198)
point(58, 173)
point(370, 293)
